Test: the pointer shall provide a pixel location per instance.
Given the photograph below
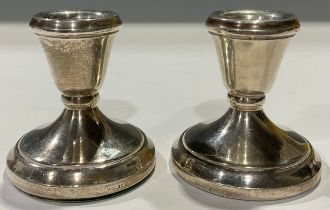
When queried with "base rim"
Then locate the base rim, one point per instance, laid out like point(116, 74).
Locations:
point(248, 194)
point(204, 175)
point(77, 193)
point(121, 175)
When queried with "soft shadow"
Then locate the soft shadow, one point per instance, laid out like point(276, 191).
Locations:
point(147, 190)
point(16, 199)
point(211, 109)
point(315, 120)
point(322, 190)
point(217, 202)
point(117, 109)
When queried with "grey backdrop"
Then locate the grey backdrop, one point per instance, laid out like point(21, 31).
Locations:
point(161, 11)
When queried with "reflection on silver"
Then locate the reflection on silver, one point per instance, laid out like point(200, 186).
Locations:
point(244, 155)
point(83, 154)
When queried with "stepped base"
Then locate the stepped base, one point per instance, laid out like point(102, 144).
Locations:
point(82, 155)
point(243, 155)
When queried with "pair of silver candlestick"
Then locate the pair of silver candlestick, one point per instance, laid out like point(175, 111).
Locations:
point(242, 155)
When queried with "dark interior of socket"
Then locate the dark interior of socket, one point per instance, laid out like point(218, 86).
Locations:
point(75, 15)
point(253, 15)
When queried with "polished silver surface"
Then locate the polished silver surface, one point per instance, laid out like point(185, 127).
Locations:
point(82, 154)
point(253, 24)
point(243, 154)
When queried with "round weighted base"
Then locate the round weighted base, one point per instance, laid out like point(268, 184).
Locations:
point(72, 161)
point(243, 155)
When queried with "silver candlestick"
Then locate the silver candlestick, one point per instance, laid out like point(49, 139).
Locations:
point(243, 154)
point(83, 154)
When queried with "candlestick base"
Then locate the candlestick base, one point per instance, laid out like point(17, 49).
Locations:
point(82, 155)
point(243, 155)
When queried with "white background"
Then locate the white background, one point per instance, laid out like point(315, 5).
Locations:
point(164, 78)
